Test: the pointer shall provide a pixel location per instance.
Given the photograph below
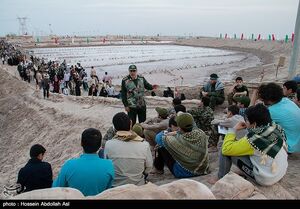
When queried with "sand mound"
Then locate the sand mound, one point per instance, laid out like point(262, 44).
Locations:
point(57, 123)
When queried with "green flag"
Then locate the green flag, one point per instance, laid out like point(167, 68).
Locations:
point(286, 38)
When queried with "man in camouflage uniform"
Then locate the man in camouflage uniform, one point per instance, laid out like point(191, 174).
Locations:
point(289, 89)
point(203, 115)
point(133, 88)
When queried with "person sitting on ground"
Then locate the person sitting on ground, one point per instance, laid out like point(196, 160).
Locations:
point(243, 103)
point(214, 90)
point(179, 108)
point(111, 132)
point(93, 90)
point(289, 89)
point(111, 92)
point(129, 152)
point(168, 93)
point(36, 174)
point(261, 155)
point(203, 114)
point(88, 173)
point(232, 118)
point(153, 94)
point(107, 79)
point(284, 112)
point(297, 99)
point(173, 127)
point(176, 101)
point(154, 125)
point(103, 92)
point(186, 152)
point(138, 129)
point(237, 90)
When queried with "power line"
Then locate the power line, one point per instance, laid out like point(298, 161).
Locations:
point(22, 25)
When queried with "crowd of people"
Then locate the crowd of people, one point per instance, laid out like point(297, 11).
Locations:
point(56, 77)
point(260, 133)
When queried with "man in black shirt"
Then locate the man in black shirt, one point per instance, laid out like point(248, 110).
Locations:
point(36, 174)
point(238, 90)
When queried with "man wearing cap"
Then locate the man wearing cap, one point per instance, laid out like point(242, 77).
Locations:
point(36, 174)
point(186, 152)
point(155, 125)
point(133, 88)
point(214, 89)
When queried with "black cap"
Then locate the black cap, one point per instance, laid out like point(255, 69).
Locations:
point(214, 76)
point(132, 67)
point(36, 149)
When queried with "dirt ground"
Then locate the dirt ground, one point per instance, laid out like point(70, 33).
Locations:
point(57, 123)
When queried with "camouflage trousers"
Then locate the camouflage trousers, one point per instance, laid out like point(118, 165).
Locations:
point(213, 134)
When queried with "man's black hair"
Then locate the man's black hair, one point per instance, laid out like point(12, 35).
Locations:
point(91, 140)
point(270, 92)
point(36, 149)
point(176, 101)
point(291, 85)
point(298, 94)
point(234, 109)
point(121, 122)
point(205, 101)
point(180, 107)
point(239, 79)
point(172, 121)
point(259, 114)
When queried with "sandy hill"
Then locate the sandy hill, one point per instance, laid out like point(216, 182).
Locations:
point(57, 123)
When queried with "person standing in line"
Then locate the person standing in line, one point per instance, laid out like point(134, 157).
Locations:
point(133, 89)
point(46, 85)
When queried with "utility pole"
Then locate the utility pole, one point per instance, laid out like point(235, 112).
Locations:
point(295, 52)
point(50, 29)
point(22, 25)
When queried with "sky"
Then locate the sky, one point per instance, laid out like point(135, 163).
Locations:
point(150, 17)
